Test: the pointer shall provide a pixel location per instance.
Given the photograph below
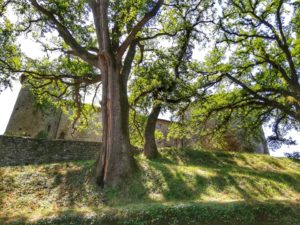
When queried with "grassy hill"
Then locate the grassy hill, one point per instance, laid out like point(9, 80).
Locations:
point(183, 186)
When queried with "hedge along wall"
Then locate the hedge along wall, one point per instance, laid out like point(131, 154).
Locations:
point(24, 151)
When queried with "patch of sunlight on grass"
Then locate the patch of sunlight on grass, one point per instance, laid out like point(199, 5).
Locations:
point(157, 197)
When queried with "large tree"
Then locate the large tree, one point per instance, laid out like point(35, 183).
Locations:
point(92, 41)
point(256, 60)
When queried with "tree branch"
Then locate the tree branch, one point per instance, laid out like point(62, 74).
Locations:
point(148, 16)
point(67, 36)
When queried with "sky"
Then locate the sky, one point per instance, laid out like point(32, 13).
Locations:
point(7, 102)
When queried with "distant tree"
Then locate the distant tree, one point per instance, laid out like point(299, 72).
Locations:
point(163, 81)
point(256, 62)
point(157, 89)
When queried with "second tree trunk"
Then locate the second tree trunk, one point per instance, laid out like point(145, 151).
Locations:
point(150, 148)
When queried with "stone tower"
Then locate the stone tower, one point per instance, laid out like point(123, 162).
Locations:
point(29, 120)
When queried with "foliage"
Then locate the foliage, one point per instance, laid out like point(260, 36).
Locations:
point(42, 135)
point(137, 123)
point(9, 51)
point(255, 63)
point(62, 72)
point(68, 69)
point(224, 128)
point(178, 131)
point(159, 135)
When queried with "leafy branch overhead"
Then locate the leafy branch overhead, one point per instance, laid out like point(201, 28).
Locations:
point(257, 56)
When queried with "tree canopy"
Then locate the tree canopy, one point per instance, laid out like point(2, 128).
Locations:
point(256, 59)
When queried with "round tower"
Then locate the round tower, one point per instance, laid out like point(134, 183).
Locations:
point(30, 121)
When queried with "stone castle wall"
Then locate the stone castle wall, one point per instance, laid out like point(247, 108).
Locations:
point(25, 151)
point(29, 121)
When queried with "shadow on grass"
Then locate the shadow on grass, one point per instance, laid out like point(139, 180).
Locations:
point(181, 186)
point(250, 183)
point(74, 186)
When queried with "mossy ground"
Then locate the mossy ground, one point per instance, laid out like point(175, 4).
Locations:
point(182, 186)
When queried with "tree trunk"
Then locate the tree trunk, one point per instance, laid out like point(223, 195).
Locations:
point(116, 161)
point(150, 148)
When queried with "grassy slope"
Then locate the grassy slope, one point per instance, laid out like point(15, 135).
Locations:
point(181, 187)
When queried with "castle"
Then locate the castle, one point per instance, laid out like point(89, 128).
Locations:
point(52, 124)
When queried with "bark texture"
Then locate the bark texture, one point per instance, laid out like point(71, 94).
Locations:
point(116, 160)
point(150, 148)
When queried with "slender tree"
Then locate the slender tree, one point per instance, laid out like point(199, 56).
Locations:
point(165, 83)
point(157, 88)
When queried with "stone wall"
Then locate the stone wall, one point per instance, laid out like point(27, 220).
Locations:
point(24, 151)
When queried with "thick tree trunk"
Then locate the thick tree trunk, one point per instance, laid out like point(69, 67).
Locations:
point(150, 148)
point(116, 160)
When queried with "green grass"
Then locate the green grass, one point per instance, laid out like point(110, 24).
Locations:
point(182, 186)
